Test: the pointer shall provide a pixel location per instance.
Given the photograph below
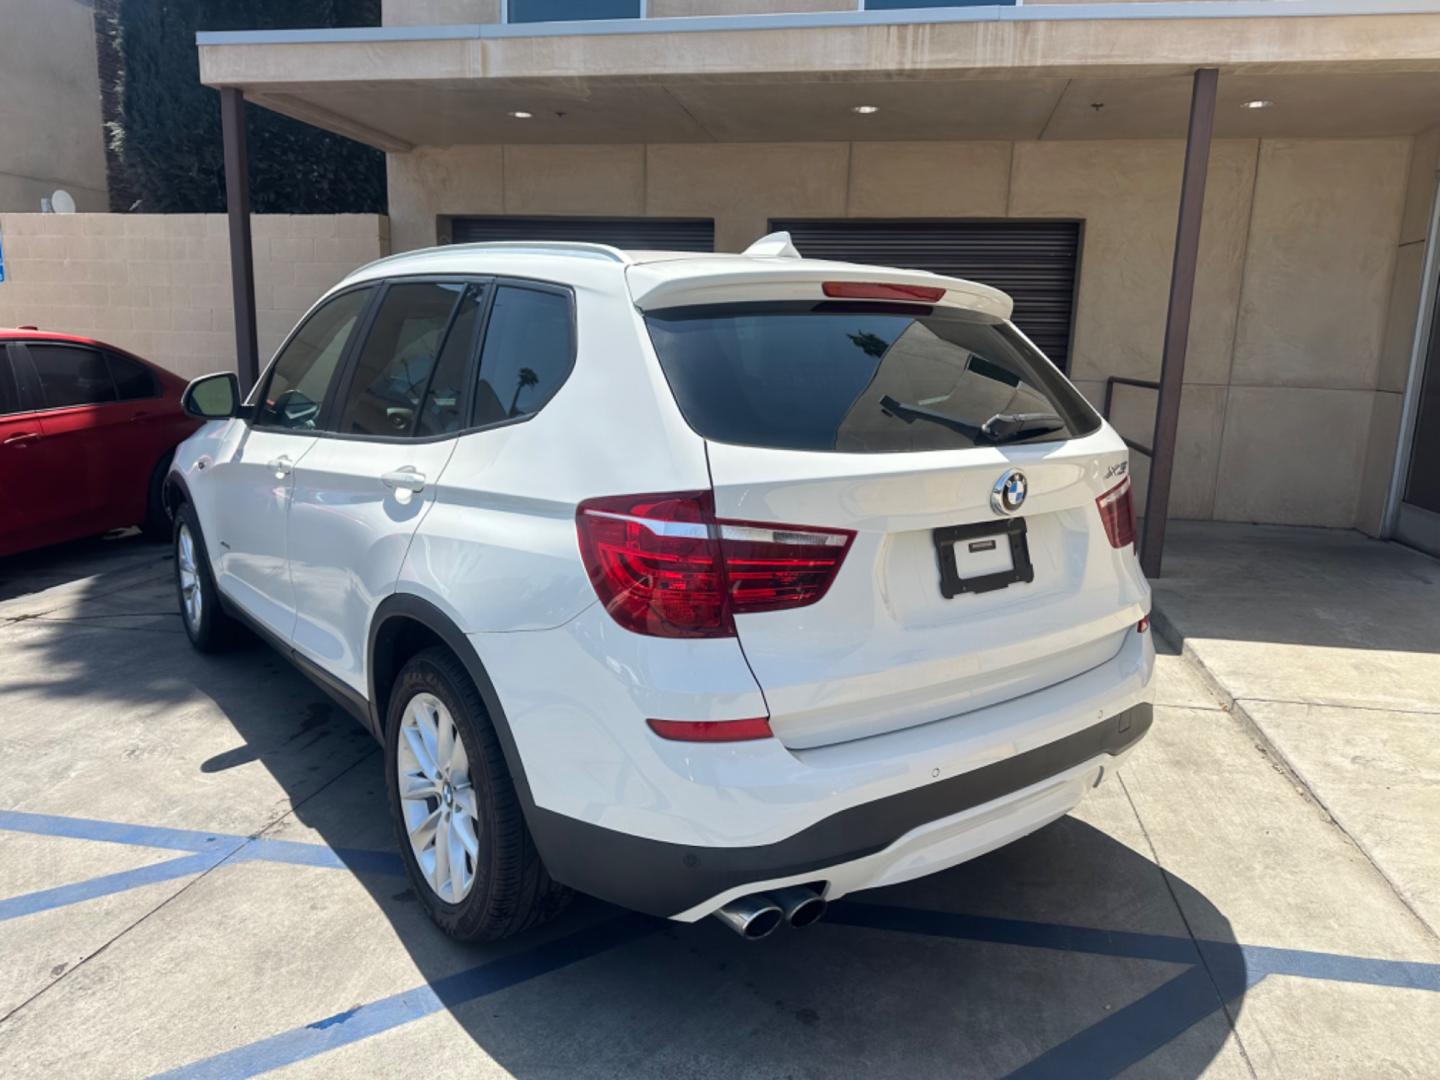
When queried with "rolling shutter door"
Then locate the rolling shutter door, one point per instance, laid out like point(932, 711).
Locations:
point(1034, 261)
point(636, 234)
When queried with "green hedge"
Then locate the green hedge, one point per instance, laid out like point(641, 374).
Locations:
point(163, 127)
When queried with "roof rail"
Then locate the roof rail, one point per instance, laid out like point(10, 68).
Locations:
point(550, 247)
point(555, 247)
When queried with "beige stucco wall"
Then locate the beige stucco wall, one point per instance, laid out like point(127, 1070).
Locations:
point(1289, 344)
point(50, 124)
point(159, 284)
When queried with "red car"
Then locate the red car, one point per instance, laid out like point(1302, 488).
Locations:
point(86, 435)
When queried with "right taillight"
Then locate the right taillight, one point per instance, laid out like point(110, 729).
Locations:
point(664, 565)
point(1117, 513)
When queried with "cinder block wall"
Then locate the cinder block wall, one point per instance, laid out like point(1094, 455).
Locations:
point(159, 284)
point(1292, 298)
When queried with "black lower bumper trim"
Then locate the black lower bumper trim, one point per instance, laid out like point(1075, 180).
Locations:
point(661, 878)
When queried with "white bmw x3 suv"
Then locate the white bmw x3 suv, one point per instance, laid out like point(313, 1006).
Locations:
point(704, 584)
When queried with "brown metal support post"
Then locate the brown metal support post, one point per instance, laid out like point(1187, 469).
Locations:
point(1177, 321)
point(242, 255)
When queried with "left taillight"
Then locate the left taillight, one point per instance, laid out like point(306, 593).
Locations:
point(1117, 514)
point(666, 566)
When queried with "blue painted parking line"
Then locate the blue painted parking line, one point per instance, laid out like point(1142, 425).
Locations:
point(1129, 1035)
point(1215, 972)
point(209, 848)
point(364, 1021)
point(108, 885)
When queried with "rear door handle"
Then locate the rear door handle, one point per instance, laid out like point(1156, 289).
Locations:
point(23, 438)
point(406, 479)
point(282, 467)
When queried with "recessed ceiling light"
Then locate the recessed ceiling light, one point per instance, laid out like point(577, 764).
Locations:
point(520, 114)
point(865, 110)
point(1258, 103)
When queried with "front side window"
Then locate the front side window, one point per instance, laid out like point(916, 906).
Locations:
point(302, 372)
point(861, 378)
point(529, 351)
point(133, 380)
point(71, 375)
point(398, 358)
point(530, 11)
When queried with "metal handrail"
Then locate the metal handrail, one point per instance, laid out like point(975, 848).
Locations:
point(1121, 380)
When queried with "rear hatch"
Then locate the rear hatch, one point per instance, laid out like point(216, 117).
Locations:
point(992, 551)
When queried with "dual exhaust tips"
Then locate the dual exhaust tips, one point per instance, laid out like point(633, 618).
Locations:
point(760, 914)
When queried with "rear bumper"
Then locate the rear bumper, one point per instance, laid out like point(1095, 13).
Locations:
point(892, 839)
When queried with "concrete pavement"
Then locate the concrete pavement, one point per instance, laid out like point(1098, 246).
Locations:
point(1329, 643)
point(197, 874)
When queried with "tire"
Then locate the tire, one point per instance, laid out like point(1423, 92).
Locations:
point(508, 889)
point(209, 629)
point(157, 524)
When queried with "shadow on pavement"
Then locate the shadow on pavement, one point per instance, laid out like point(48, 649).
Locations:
point(879, 989)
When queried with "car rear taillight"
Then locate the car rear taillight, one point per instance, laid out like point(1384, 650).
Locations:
point(1117, 512)
point(882, 290)
point(664, 565)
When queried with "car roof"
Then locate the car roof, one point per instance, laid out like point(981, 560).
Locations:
point(662, 278)
point(16, 333)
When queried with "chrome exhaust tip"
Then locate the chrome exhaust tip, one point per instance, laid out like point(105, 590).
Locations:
point(800, 904)
point(752, 917)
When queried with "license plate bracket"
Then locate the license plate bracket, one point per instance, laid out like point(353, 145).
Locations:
point(1011, 531)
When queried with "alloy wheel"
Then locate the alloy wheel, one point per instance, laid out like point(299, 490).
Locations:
point(437, 798)
point(192, 597)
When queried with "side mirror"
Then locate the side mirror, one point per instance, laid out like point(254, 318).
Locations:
point(213, 397)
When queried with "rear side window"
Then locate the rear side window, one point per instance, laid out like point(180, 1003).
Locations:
point(132, 379)
point(398, 359)
point(529, 352)
point(71, 375)
point(302, 372)
point(861, 378)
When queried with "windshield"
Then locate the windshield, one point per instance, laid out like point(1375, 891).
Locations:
point(861, 378)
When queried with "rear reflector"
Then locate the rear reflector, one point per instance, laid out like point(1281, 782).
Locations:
point(881, 290)
point(1117, 513)
point(664, 565)
point(712, 730)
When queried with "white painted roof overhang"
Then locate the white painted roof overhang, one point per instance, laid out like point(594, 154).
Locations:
point(1333, 67)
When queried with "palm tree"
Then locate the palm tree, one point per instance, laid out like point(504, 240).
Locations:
point(527, 378)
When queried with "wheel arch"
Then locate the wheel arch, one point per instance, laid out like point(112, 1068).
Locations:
point(402, 622)
point(174, 491)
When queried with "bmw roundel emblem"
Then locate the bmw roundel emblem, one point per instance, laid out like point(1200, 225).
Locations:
point(1008, 495)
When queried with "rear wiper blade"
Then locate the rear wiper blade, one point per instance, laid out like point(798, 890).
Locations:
point(1003, 427)
point(911, 413)
point(1000, 428)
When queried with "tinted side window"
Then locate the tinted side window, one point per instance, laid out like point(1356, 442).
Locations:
point(444, 410)
point(398, 358)
point(529, 351)
point(9, 394)
point(71, 376)
point(304, 368)
point(132, 380)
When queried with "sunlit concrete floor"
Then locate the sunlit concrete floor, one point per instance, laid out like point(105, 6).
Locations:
point(197, 874)
point(1327, 642)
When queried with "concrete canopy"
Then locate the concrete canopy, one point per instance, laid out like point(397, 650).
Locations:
point(798, 78)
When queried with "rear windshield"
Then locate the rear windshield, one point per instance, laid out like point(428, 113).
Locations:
point(861, 378)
